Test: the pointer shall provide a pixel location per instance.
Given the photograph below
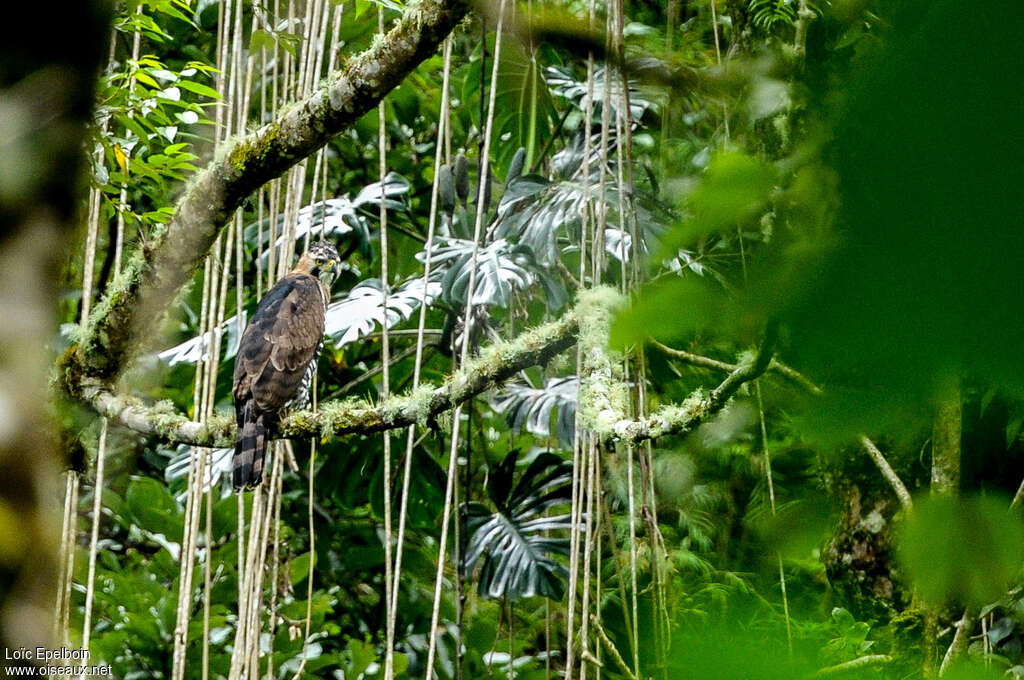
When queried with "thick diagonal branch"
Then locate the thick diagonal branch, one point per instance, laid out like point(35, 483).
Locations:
point(171, 257)
point(495, 365)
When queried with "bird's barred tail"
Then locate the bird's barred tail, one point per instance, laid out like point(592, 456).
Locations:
point(250, 451)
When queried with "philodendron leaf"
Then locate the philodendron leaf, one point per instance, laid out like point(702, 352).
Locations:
point(532, 408)
point(513, 541)
point(501, 269)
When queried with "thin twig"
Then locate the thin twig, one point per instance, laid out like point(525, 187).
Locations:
point(775, 366)
point(1018, 497)
point(855, 664)
point(890, 475)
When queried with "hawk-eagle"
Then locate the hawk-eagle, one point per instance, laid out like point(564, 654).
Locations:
point(277, 357)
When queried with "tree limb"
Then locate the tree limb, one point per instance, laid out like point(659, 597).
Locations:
point(170, 258)
point(890, 475)
point(606, 416)
point(335, 418)
point(775, 366)
point(802, 381)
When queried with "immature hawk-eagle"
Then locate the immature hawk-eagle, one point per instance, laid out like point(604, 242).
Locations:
point(277, 357)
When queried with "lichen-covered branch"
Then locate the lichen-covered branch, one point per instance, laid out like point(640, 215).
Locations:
point(947, 430)
point(495, 365)
point(169, 258)
point(804, 16)
point(774, 366)
point(603, 396)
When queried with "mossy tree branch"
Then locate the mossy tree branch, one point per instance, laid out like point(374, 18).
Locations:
point(171, 257)
point(961, 640)
point(335, 418)
point(775, 366)
point(603, 399)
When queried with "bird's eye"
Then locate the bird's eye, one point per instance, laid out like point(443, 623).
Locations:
point(319, 261)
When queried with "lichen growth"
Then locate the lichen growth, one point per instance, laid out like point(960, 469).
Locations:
point(241, 152)
point(334, 415)
point(164, 417)
point(118, 293)
point(418, 14)
point(68, 375)
point(494, 359)
point(675, 418)
point(415, 405)
point(218, 429)
point(604, 398)
point(596, 309)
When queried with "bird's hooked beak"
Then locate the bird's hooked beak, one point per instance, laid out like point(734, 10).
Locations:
point(329, 272)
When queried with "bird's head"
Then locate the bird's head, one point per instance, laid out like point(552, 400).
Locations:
point(322, 260)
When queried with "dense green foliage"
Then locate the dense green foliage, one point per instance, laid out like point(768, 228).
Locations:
point(848, 172)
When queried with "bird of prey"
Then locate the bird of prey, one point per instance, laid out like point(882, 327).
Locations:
point(277, 357)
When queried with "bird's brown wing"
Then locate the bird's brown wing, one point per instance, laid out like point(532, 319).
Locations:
point(281, 339)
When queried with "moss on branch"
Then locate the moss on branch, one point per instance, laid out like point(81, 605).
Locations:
point(603, 397)
point(335, 418)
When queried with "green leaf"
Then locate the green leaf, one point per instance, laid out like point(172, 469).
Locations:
point(359, 655)
point(734, 189)
point(969, 549)
point(298, 570)
point(116, 507)
point(694, 303)
point(199, 88)
point(924, 280)
point(153, 508)
point(261, 40)
point(146, 79)
point(515, 537)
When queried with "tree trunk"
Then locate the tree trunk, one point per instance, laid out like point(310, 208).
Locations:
point(947, 429)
